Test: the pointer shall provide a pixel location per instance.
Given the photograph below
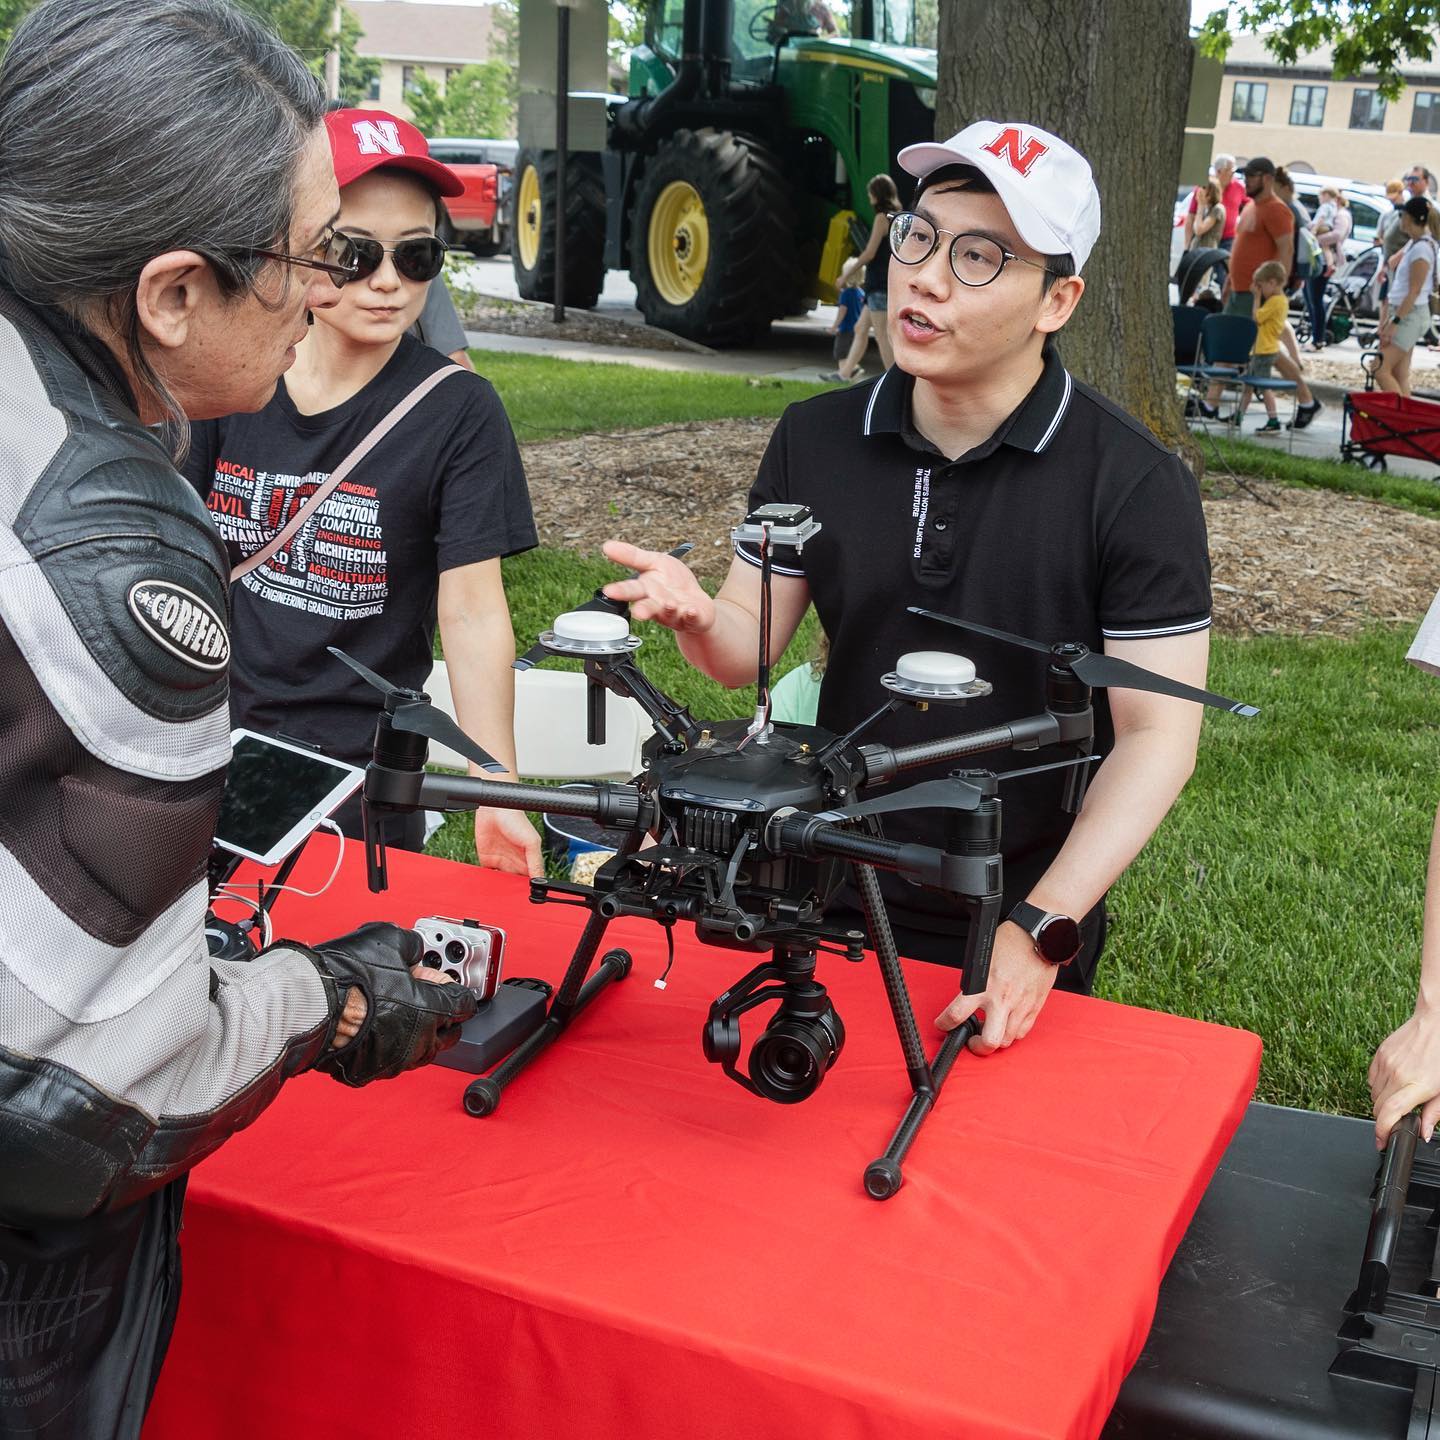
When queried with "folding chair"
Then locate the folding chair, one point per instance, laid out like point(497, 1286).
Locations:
point(1277, 384)
point(1186, 322)
point(550, 728)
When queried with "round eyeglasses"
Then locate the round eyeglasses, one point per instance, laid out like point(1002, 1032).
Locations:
point(974, 259)
point(335, 255)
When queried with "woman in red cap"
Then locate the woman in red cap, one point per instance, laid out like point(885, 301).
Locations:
point(412, 536)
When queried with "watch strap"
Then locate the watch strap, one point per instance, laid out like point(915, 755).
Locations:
point(1027, 916)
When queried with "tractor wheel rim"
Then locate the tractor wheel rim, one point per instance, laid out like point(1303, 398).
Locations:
point(527, 218)
point(678, 244)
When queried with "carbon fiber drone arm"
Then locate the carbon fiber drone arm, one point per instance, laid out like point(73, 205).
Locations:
point(812, 837)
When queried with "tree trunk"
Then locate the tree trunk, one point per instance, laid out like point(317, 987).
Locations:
point(1112, 77)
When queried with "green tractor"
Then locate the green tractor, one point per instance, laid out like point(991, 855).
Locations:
point(731, 182)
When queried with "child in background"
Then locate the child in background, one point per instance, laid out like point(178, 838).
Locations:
point(1271, 309)
point(850, 304)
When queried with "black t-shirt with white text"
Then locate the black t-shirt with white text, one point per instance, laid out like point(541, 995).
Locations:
point(444, 489)
point(1072, 522)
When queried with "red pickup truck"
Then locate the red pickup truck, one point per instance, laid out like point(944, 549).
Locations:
point(478, 219)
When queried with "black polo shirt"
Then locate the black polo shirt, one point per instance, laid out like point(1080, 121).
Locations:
point(1071, 522)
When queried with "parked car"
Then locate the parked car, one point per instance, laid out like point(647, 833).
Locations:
point(1368, 207)
point(478, 219)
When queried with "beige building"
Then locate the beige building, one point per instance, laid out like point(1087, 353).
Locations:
point(413, 39)
point(1301, 114)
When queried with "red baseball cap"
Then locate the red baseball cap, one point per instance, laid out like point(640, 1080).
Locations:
point(362, 140)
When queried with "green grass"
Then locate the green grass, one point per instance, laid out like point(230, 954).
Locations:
point(1407, 492)
point(546, 398)
point(1283, 893)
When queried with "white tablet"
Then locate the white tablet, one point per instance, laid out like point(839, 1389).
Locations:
point(276, 793)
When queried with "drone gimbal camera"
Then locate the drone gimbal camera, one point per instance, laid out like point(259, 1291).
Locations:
point(754, 825)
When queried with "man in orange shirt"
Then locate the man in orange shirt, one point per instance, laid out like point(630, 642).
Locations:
point(1265, 231)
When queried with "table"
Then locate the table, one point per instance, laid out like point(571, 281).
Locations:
point(632, 1245)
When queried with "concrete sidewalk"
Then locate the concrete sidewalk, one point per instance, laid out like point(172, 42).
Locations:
point(789, 360)
point(1320, 439)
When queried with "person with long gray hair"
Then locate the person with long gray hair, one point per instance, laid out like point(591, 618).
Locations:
point(167, 210)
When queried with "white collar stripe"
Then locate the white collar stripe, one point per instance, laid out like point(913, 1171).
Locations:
point(874, 394)
point(1059, 414)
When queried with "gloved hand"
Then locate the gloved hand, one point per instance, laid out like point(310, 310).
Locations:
point(407, 1021)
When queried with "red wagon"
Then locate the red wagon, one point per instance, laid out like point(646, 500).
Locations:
point(1377, 423)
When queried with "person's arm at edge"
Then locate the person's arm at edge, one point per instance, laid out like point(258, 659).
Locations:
point(1130, 794)
point(479, 644)
point(1406, 1069)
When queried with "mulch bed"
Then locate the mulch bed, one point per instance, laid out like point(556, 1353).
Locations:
point(1286, 561)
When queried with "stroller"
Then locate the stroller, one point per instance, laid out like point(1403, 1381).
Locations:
point(1377, 423)
point(1352, 306)
point(1201, 267)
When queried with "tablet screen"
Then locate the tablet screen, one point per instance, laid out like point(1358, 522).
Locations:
point(276, 793)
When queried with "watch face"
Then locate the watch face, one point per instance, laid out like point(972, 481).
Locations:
point(1058, 940)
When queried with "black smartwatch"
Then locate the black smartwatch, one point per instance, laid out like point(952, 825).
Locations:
point(1056, 936)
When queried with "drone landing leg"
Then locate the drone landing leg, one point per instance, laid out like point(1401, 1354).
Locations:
point(482, 1096)
point(883, 1177)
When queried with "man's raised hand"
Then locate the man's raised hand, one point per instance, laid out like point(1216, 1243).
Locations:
point(662, 589)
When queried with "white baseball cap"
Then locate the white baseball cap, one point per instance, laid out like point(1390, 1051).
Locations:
point(1045, 185)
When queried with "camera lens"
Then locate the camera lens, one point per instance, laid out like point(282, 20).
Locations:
point(456, 951)
point(788, 1061)
point(432, 959)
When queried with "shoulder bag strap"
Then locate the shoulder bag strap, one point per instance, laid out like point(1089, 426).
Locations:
point(288, 532)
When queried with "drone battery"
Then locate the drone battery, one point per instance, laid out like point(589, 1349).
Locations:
point(514, 1012)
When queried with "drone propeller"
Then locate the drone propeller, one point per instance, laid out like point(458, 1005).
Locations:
point(1096, 668)
point(598, 601)
point(948, 794)
point(952, 793)
point(367, 675)
point(412, 712)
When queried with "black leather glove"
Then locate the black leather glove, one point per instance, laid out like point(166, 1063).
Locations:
point(408, 1022)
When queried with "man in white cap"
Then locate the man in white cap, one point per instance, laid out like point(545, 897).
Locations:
point(978, 478)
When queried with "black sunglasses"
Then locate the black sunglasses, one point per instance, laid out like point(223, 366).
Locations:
point(422, 258)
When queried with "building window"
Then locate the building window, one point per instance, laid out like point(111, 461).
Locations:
point(1425, 118)
point(1307, 105)
point(407, 79)
point(1367, 110)
point(1249, 101)
point(375, 86)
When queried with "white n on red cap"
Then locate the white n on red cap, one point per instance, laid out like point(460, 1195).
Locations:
point(1045, 185)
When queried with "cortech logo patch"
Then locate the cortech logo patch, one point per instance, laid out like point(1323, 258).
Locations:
point(182, 622)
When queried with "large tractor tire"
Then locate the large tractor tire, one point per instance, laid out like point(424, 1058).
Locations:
point(532, 240)
point(712, 244)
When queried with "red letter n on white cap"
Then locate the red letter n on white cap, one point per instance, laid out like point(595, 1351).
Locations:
point(1006, 146)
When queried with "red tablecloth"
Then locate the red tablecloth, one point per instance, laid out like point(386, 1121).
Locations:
point(633, 1246)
